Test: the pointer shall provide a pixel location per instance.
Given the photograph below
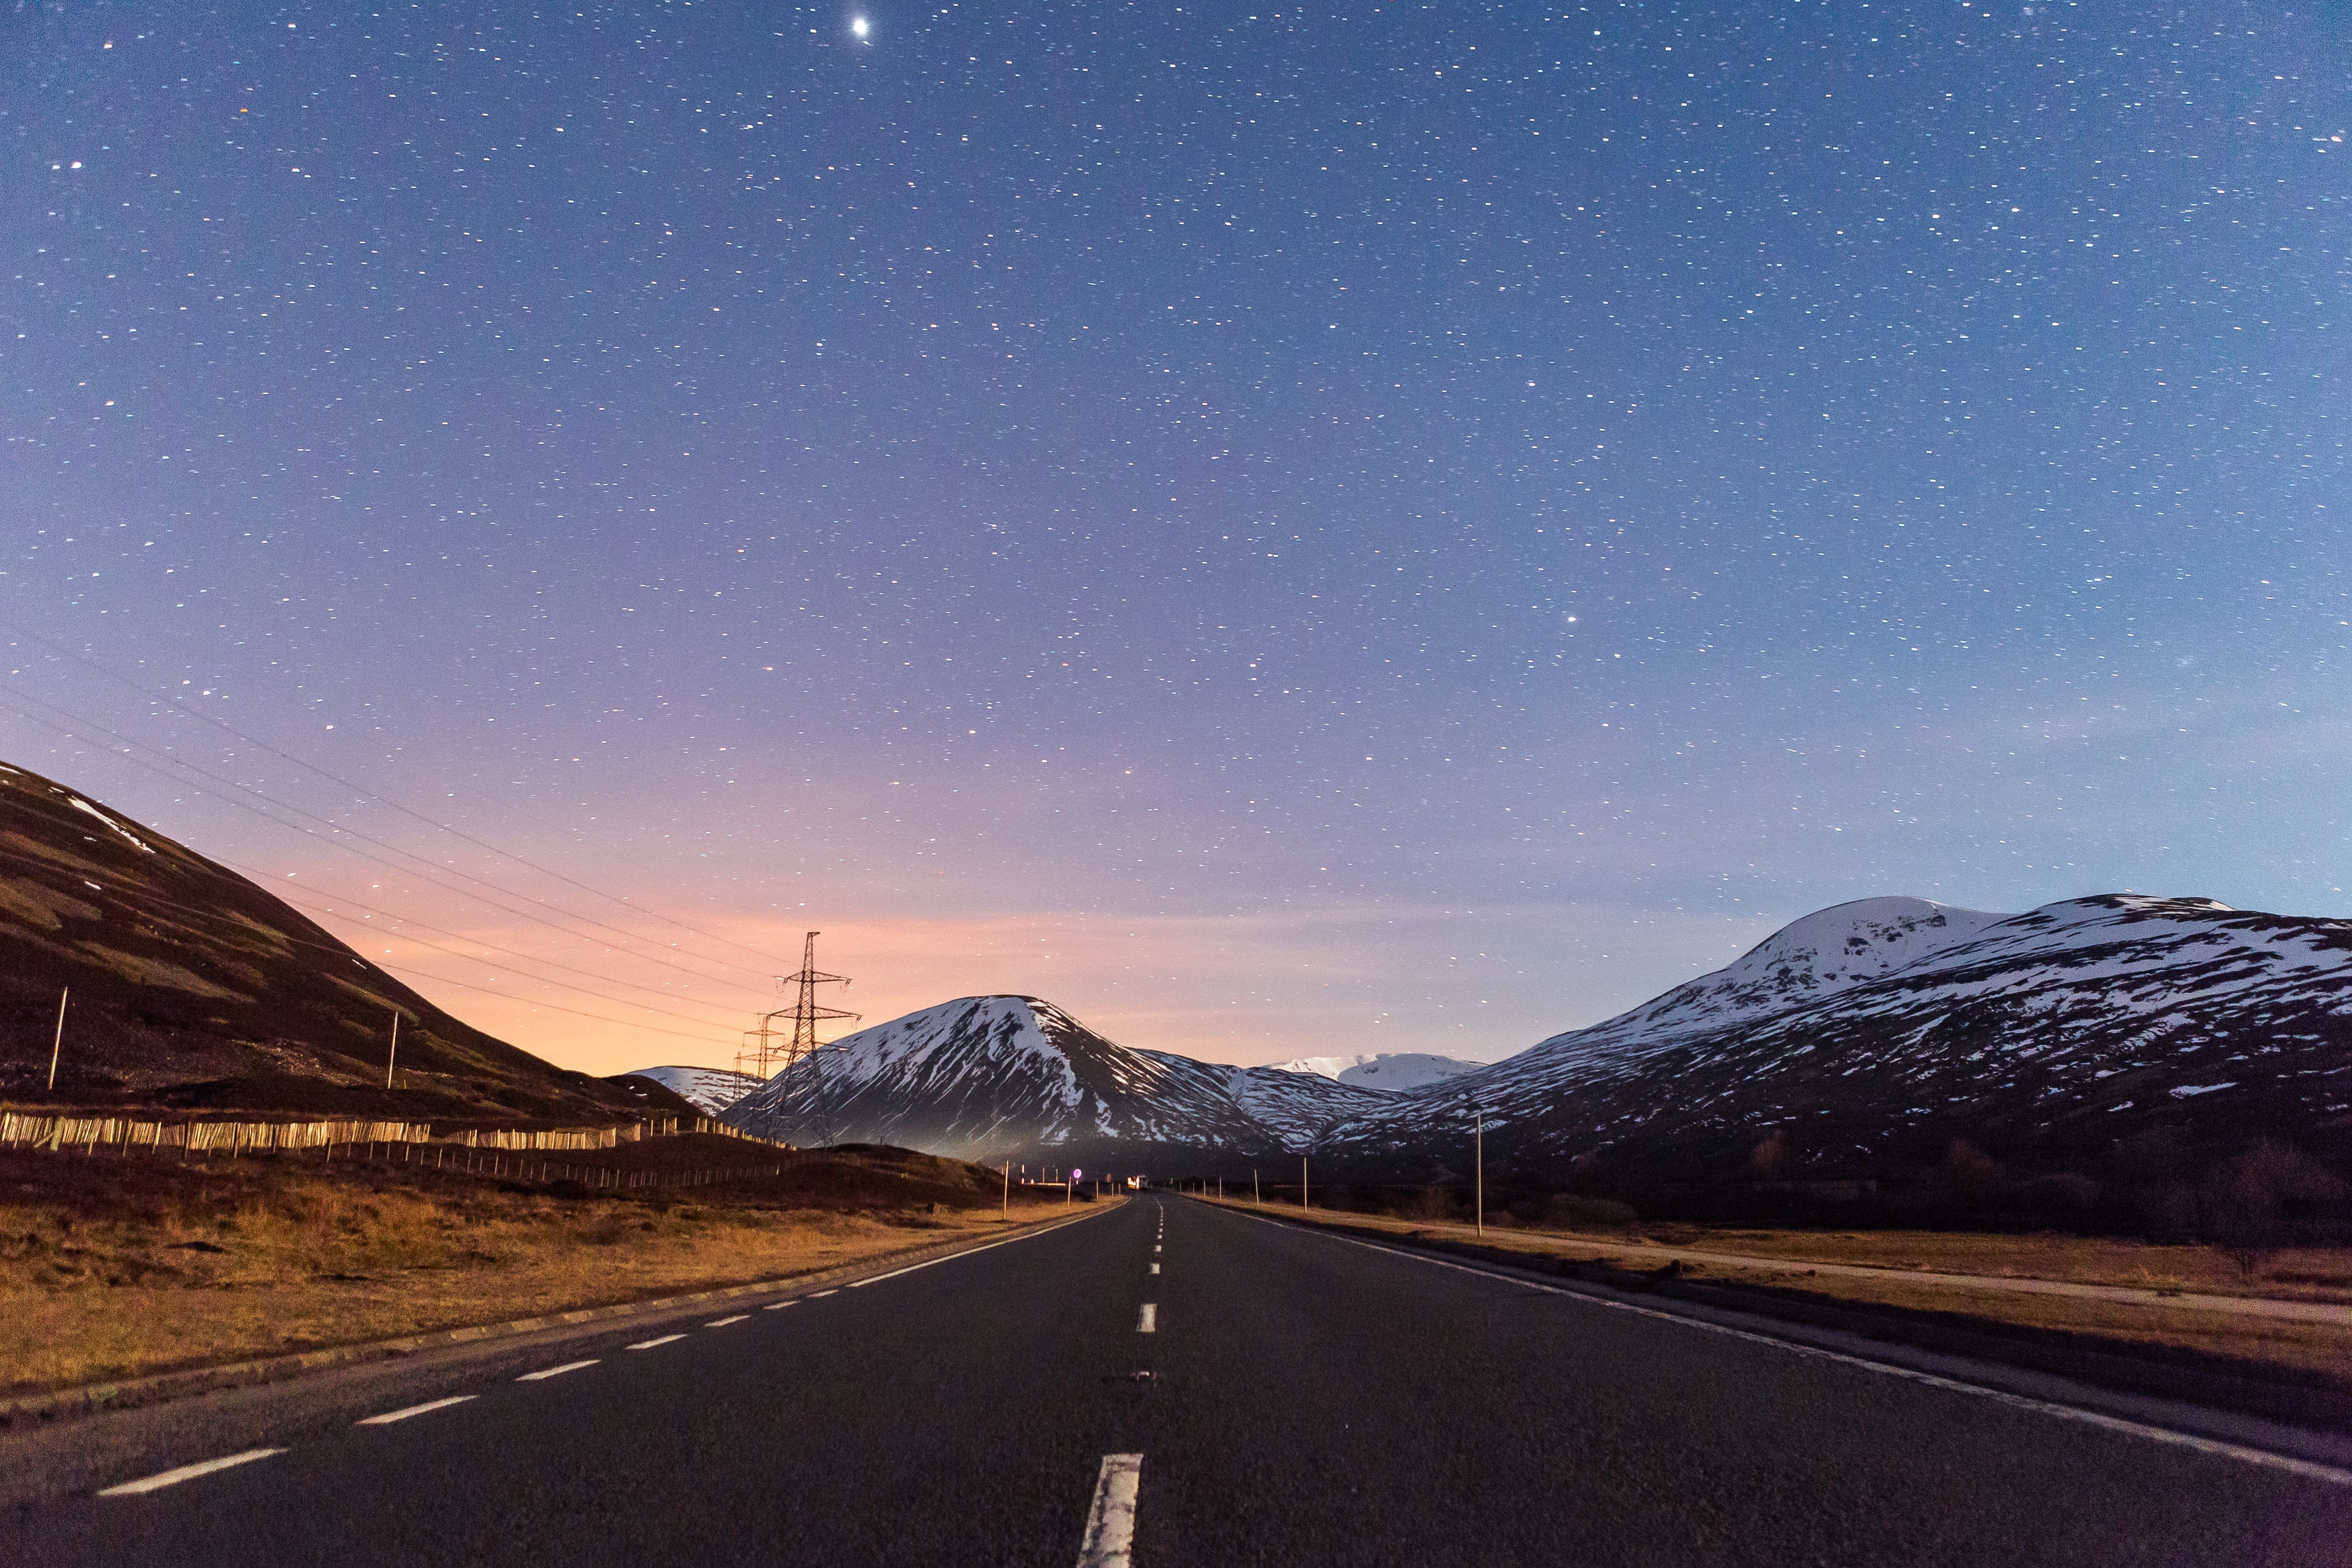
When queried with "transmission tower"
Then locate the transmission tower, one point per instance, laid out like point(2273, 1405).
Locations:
point(769, 1051)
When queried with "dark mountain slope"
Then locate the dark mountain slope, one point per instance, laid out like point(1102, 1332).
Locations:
point(194, 987)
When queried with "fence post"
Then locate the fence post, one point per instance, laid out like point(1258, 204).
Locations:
point(59, 1044)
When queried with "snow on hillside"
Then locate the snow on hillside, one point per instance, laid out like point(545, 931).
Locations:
point(1299, 1106)
point(708, 1090)
point(994, 1077)
point(985, 1076)
point(2074, 1021)
point(1390, 1071)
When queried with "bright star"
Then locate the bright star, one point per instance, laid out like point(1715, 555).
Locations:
point(857, 26)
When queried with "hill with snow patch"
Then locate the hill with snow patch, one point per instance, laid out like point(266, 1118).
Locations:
point(1868, 1035)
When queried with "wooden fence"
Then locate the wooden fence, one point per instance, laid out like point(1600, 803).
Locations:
point(512, 1138)
point(121, 1133)
point(91, 1133)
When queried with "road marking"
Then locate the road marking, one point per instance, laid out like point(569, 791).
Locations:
point(722, 1323)
point(2309, 1469)
point(951, 1258)
point(1149, 1323)
point(555, 1371)
point(649, 1345)
point(1155, 1247)
point(821, 1295)
point(190, 1472)
point(1155, 1269)
point(780, 1306)
point(389, 1416)
point(1110, 1523)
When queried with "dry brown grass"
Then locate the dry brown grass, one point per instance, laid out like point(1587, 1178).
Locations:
point(116, 1269)
point(1779, 1258)
point(2305, 1274)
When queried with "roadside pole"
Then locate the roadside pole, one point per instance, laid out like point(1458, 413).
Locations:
point(1254, 1192)
point(60, 1043)
point(393, 1054)
point(1480, 1117)
point(1008, 1189)
point(1302, 1183)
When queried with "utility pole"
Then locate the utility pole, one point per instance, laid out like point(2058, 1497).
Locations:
point(393, 1055)
point(60, 1043)
point(1480, 1118)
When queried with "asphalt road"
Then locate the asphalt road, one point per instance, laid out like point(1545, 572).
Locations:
point(1308, 1400)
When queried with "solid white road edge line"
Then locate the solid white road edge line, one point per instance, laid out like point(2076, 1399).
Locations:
point(1110, 1523)
point(722, 1323)
point(1148, 1322)
point(190, 1472)
point(556, 1371)
point(389, 1416)
point(649, 1345)
point(2307, 1468)
point(968, 1252)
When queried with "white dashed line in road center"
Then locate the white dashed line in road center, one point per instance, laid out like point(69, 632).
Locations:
point(389, 1416)
point(1149, 1321)
point(190, 1472)
point(780, 1306)
point(649, 1345)
point(820, 1295)
point(722, 1323)
point(1155, 1269)
point(556, 1371)
point(1110, 1523)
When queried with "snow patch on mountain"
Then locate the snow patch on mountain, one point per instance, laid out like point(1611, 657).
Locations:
point(1391, 1072)
point(708, 1090)
point(1853, 1025)
point(996, 1077)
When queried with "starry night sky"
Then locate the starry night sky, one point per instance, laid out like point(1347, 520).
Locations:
point(1347, 527)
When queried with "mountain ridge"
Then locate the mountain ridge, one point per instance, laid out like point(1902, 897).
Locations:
point(1001, 1077)
point(2053, 1035)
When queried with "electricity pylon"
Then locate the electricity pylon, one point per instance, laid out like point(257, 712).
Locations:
point(770, 1052)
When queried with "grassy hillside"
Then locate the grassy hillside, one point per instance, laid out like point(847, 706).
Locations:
point(194, 988)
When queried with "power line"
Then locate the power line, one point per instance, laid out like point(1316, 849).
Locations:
point(542, 980)
point(342, 950)
point(430, 874)
point(462, 936)
point(558, 1007)
point(767, 960)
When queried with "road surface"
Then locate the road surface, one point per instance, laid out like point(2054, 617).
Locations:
point(1167, 1383)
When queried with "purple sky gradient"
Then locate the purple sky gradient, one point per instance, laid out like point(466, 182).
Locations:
point(1327, 529)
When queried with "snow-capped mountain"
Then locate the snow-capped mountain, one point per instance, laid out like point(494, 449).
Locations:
point(1881, 1029)
point(1391, 1072)
point(989, 1077)
point(708, 1090)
